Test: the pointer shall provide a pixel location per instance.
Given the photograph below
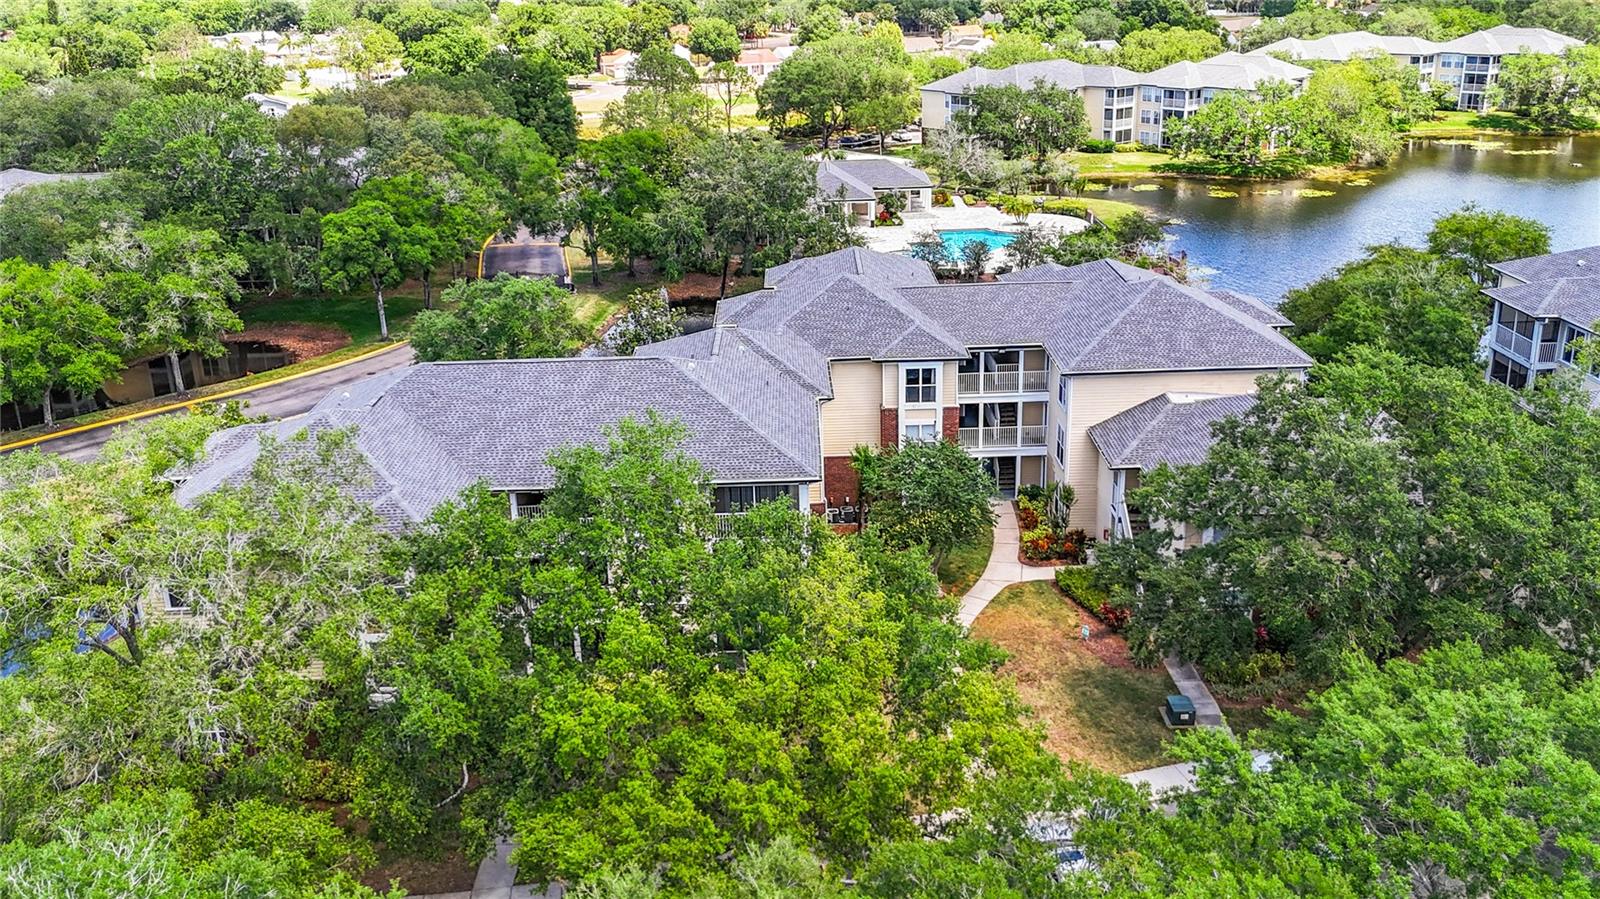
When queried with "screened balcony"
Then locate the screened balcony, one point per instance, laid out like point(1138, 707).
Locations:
point(995, 372)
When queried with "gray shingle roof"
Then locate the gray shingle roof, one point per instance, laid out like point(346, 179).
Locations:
point(1098, 270)
point(1109, 325)
point(429, 431)
point(1225, 71)
point(1171, 428)
point(1254, 307)
point(849, 316)
point(886, 268)
point(17, 179)
point(1502, 40)
point(1058, 72)
point(1349, 44)
point(861, 178)
point(1570, 264)
point(1576, 300)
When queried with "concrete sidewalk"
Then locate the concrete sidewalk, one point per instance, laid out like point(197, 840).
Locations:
point(1189, 682)
point(1003, 569)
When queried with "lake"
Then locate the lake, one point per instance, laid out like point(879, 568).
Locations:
point(1267, 240)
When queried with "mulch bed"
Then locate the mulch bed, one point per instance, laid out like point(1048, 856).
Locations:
point(1110, 647)
point(1043, 563)
point(300, 340)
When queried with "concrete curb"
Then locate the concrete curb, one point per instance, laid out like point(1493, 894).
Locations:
point(191, 403)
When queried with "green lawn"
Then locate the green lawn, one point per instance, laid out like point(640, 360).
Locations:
point(1095, 705)
point(356, 314)
point(1092, 165)
point(1456, 123)
point(965, 564)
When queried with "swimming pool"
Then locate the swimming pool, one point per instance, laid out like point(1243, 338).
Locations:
point(954, 241)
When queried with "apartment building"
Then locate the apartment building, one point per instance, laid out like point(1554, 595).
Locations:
point(1418, 53)
point(849, 349)
point(1468, 65)
point(1543, 306)
point(1122, 105)
point(1179, 90)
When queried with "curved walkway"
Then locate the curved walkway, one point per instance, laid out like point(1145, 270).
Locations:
point(1003, 569)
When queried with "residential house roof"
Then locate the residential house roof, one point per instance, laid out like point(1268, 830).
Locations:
point(1225, 71)
point(919, 43)
point(757, 56)
point(1109, 325)
point(1254, 307)
point(1063, 73)
point(848, 316)
point(889, 268)
point(1570, 264)
point(1576, 300)
point(853, 180)
point(1504, 40)
point(1348, 45)
point(1173, 428)
point(17, 179)
point(1098, 270)
point(429, 431)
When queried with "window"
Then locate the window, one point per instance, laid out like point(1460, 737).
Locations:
point(177, 602)
point(921, 384)
point(1147, 116)
point(919, 433)
point(1147, 138)
point(1061, 446)
point(743, 497)
point(215, 367)
point(1150, 94)
point(1061, 391)
point(1124, 136)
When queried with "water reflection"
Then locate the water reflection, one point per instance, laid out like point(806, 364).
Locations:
point(1267, 239)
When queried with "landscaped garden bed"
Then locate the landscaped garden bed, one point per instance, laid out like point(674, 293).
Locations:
point(1043, 528)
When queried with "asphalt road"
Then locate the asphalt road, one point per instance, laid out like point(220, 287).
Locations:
point(527, 256)
point(277, 400)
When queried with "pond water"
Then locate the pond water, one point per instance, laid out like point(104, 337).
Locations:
point(1269, 239)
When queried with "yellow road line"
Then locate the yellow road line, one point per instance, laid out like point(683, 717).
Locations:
point(481, 250)
point(190, 404)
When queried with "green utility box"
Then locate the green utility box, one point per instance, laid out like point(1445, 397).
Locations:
point(1178, 711)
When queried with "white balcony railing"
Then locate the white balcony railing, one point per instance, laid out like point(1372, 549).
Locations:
point(1518, 345)
point(724, 522)
point(1004, 379)
point(1002, 436)
point(1548, 351)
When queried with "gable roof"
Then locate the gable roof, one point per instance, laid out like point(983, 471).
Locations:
point(1254, 307)
point(1063, 73)
point(1226, 71)
point(1109, 325)
point(1174, 429)
point(848, 316)
point(16, 179)
point(888, 268)
point(860, 179)
point(1349, 44)
point(1098, 270)
point(1505, 40)
point(1576, 300)
point(1570, 264)
point(427, 432)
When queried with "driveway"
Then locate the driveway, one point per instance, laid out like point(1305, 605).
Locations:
point(277, 400)
point(529, 256)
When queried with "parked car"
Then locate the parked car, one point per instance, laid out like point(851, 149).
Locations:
point(855, 141)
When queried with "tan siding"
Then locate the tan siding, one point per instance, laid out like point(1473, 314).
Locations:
point(1096, 398)
point(947, 383)
point(891, 386)
point(851, 418)
point(934, 115)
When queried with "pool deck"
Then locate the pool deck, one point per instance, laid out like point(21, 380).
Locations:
point(960, 217)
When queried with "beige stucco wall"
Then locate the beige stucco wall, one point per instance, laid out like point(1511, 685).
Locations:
point(934, 115)
point(1095, 398)
point(851, 418)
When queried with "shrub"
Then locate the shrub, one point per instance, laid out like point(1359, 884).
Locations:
point(1136, 147)
point(1028, 516)
point(1066, 207)
point(1081, 584)
point(1098, 146)
point(1031, 492)
point(941, 197)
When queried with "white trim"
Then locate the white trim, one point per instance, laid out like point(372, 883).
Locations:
point(937, 367)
